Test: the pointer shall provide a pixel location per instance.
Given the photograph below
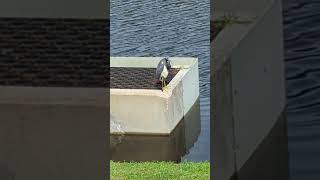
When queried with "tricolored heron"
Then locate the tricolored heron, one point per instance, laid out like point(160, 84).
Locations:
point(162, 71)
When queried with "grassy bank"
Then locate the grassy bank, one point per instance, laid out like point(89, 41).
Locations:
point(160, 170)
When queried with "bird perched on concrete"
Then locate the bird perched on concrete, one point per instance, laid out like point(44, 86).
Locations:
point(162, 71)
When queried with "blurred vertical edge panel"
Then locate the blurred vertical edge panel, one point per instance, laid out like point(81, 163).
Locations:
point(54, 90)
point(249, 126)
point(108, 93)
point(212, 84)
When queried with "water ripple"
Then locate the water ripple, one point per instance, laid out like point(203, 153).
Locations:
point(302, 35)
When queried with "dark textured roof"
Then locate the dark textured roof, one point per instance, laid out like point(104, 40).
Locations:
point(54, 52)
point(136, 78)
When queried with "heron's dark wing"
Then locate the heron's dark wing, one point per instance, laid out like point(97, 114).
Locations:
point(159, 69)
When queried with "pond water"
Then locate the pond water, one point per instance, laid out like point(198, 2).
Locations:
point(302, 52)
point(168, 28)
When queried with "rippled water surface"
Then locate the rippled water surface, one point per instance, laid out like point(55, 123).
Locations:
point(168, 28)
point(302, 45)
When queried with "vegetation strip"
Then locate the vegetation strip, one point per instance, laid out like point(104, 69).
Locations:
point(159, 170)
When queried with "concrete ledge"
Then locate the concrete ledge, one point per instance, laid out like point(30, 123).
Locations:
point(53, 96)
point(144, 111)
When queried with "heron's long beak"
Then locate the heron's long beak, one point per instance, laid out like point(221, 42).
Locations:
point(169, 65)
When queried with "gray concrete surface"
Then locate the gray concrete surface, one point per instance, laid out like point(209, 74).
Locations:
point(60, 134)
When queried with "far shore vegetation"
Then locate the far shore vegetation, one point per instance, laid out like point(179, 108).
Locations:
point(228, 19)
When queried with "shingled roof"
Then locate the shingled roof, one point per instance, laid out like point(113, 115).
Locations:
point(54, 52)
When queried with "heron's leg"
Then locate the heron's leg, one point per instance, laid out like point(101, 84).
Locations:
point(165, 88)
point(161, 79)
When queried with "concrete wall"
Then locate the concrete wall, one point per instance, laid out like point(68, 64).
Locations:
point(169, 147)
point(258, 82)
point(55, 8)
point(145, 114)
point(250, 86)
point(222, 126)
point(53, 133)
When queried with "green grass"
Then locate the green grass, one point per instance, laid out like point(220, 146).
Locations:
point(160, 170)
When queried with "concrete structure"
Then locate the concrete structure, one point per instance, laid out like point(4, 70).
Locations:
point(53, 99)
point(155, 125)
point(149, 111)
point(249, 126)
